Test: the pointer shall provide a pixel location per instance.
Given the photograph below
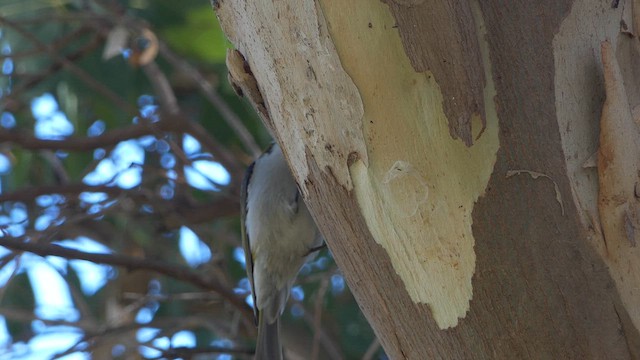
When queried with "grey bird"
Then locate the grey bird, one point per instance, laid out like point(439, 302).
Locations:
point(279, 236)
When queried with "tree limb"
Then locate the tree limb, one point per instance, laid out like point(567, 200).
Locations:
point(185, 213)
point(190, 353)
point(30, 193)
point(72, 67)
point(132, 263)
point(77, 143)
point(229, 116)
point(28, 81)
point(174, 114)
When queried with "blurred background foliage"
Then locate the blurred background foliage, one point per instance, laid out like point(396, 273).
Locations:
point(122, 149)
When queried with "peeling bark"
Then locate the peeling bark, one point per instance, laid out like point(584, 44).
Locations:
point(451, 53)
point(619, 177)
point(447, 257)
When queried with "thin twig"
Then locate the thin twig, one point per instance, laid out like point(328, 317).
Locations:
point(94, 337)
point(24, 316)
point(131, 263)
point(71, 66)
point(30, 81)
point(14, 272)
point(190, 353)
point(327, 342)
point(78, 143)
point(223, 155)
point(317, 321)
point(56, 166)
point(371, 350)
point(183, 213)
point(213, 97)
point(31, 193)
point(170, 105)
point(162, 88)
point(67, 17)
point(187, 296)
point(209, 92)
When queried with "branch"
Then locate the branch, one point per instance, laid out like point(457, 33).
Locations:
point(24, 316)
point(174, 114)
point(26, 83)
point(330, 347)
point(76, 143)
point(208, 91)
point(189, 353)
point(204, 213)
point(174, 120)
point(31, 193)
point(170, 123)
point(214, 98)
point(132, 263)
point(317, 317)
point(179, 214)
point(56, 45)
point(221, 153)
point(62, 17)
point(372, 350)
point(162, 88)
point(168, 101)
point(94, 337)
point(76, 70)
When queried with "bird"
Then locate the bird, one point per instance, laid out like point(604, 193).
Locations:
point(279, 235)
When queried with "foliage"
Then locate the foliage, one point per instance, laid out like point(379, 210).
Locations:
point(121, 154)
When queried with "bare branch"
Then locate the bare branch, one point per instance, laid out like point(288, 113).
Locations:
point(29, 81)
point(224, 156)
point(173, 121)
point(132, 263)
point(331, 348)
point(214, 98)
point(175, 124)
point(56, 45)
point(203, 213)
point(208, 91)
point(76, 70)
point(170, 105)
point(187, 296)
point(317, 317)
point(190, 353)
point(373, 348)
point(59, 17)
point(31, 193)
point(25, 316)
point(162, 88)
point(77, 143)
point(182, 213)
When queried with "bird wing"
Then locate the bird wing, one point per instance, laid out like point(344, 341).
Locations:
point(246, 245)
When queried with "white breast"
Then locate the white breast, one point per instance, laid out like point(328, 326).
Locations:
point(281, 231)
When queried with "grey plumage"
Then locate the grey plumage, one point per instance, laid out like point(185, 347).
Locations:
point(278, 235)
point(268, 345)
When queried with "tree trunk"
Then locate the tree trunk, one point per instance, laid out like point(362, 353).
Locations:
point(447, 151)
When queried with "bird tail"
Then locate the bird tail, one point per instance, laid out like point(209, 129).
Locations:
point(268, 345)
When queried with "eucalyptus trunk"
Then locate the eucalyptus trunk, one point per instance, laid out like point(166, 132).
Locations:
point(449, 152)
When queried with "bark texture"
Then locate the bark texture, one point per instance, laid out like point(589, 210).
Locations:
point(450, 52)
point(488, 251)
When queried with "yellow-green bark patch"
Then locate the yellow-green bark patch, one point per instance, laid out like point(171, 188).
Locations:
point(419, 187)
